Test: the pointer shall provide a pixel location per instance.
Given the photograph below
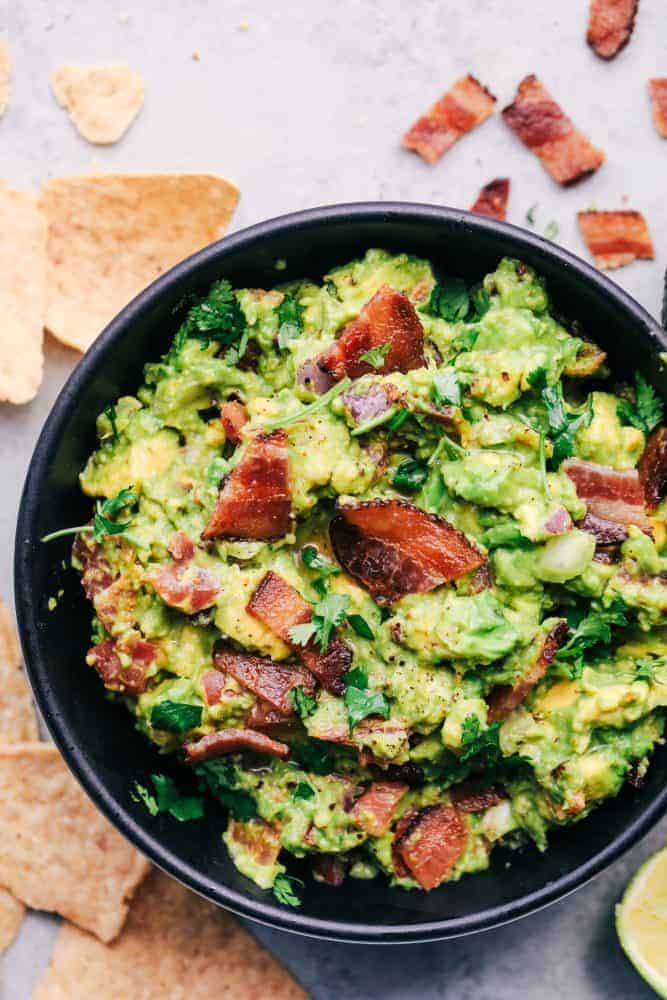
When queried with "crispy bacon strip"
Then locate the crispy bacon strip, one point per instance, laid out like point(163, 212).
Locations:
point(255, 500)
point(128, 680)
point(262, 715)
point(542, 125)
point(181, 546)
point(608, 493)
point(277, 604)
point(492, 199)
point(387, 318)
point(657, 88)
point(504, 698)
point(393, 548)
point(432, 844)
point(653, 468)
point(465, 105)
point(185, 586)
point(616, 238)
point(234, 417)
point(213, 684)
point(258, 838)
point(267, 679)
point(374, 811)
point(469, 799)
point(97, 575)
point(610, 25)
point(229, 741)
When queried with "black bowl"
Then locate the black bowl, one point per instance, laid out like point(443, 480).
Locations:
point(96, 737)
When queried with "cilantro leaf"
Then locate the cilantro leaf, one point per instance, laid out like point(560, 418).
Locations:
point(220, 777)
point(357, 677)
point(410, 475)
point(328, 614)
point(360, 626)
point(303, 704)
point(563, 425)
point(594, 629)
point(449, 300)
point(110, 414)
point(283, 891)
point(168, 799)
point(446, 387)
point(303, 791)
point(481, 301)
point(302, 634)
point(313, 559)
point(375, 357)
point(217, 317)
point(102, 524)
point(175, 717)
point(465, 341)
point(648, 409)
point(290, 322)
point(314, 756)
point(140, 793)
point(537, 379)
point(483, 746)
point(397, 420)
point(359, 701)
point(236, 353)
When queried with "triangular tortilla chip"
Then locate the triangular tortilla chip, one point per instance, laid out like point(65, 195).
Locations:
point(174, 944)
point(17, 716)
point(5, 75)
point(111, 235)
point(22, 294)
point(11, 918)
point(102, 101)
point(57, 851)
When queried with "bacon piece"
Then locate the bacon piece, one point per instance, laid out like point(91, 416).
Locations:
point(465, 105)
point(469, 799)
point(608, 493)
point(329, 868)
point(605, 532)
point(653, 468)
point(229, 741)
point(393, 548)
point(181, 546)
point(116, 603)
point(610, 25)
point(388, 318)
point(262, 715)
point(616, 238)
point(257, 838)
point(234, 417)
point(432, 844)
point(657, 88)
point(264, 677)
point(128, 680)
point(542, 125)
point(277, 604)
point(255, 499)
point(492, 199)
point(213, 684)
point(97, 575)
point(504, 698)
point(185, 586)
point(374, 811)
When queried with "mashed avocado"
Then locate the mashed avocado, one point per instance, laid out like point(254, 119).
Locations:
point(471, 657)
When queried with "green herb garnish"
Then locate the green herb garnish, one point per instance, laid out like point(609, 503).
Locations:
point(398, 420)
point(446, 387)
point(110, 414)
point(303, 791)
point(375, 357)
point(449, 300)
point(593, 630)
point(359, 701)
point(311, 408)
point(647, 411)
point(168, 799)
point(283, 891)
point(303, 704)
point(410, 475)
point(551, 232)
point(290, 322)
point(102, 524)
point(175, 717)
point(220, 777)
point(360, 626)
point(328, 614)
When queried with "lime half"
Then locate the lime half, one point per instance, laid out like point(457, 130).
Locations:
point(641, 922)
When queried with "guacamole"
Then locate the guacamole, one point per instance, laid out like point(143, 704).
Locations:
point(382, 560)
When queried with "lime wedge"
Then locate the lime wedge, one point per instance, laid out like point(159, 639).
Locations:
point(641, 922)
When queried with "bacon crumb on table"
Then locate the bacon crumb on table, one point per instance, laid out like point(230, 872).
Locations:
point(610, 26)
point(657, 88)
point(616, 238)
point(465, 105)
point(542, 125)
point(492, 199)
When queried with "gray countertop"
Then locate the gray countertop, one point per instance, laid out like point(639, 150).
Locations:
point(303, 107)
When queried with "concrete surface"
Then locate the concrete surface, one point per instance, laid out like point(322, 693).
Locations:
point(305, 106)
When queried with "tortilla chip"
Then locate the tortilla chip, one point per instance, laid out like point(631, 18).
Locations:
point(11, 918)
point(5, 75)
point(102, 101)
point(22, 295)
point(57, 851)
point(174, 944)
point(111, 235)
point(17, 717)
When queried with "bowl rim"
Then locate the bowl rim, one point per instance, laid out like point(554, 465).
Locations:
point(74, 755)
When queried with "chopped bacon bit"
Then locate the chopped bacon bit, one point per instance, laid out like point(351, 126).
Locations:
point(608, 493)
point(181, 546)
point(605, 532)
point(388, 318)
point(329, 868)
point(258, 838)
point(393, 548)
point(469, 799)
point(116, 602)
point(542, 125)
point(504, 698)
point(653, 468)
point(374, 811)
point(185, 586)
point(465, 105)
point(262, 715)
point(402, 826)
point(97, 575)
point(492, 199)
point(234, 417)
point(230, 740)
point(610, 25)
point(432, 844)
point(616, 238)
point(657, 88)
point(277, 604)
point(213, 683)
point(255, 499)
point(128, 680)
point(264, 677)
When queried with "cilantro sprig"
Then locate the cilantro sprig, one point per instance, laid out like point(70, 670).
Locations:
point(593, 630)
point(447, 387)
point(481, 748)
point(103, 523)
point(302, 703)
point(452, 301)
point(175, 717)
point(328, 614)
point(648, 409)
point(290, 321)
point(410, 475)
point(167, 798)
point(563, 424)
point(283, 890)
point(359, 701)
